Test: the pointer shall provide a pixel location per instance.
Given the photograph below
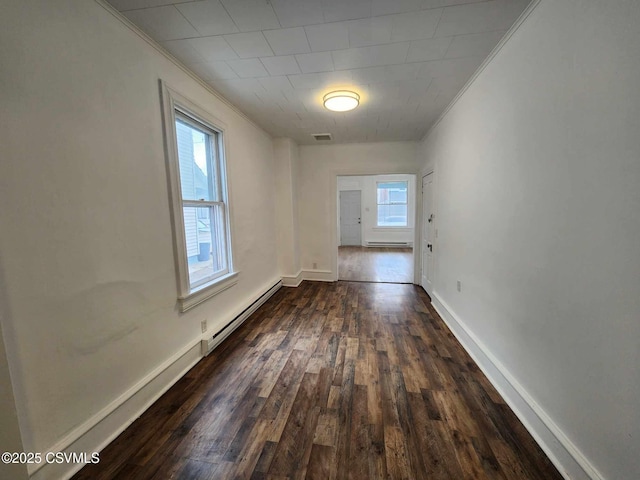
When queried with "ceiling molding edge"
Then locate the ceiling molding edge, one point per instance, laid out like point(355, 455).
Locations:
point(135, 29)
point(519, 21)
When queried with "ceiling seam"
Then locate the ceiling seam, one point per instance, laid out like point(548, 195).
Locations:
point(185, 19)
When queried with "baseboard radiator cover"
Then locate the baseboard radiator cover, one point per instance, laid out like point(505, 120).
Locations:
point(389, 244)
point(104, 426)
point(210, 343)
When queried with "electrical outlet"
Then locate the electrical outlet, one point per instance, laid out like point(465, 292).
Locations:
point(315, 266)
point(203, 326)
point(459, 286)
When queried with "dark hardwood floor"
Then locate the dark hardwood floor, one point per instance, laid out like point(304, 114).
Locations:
point(331, 381)
point(375, 264)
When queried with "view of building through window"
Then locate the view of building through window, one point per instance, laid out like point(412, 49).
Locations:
point(392, 204)
point(203, 207)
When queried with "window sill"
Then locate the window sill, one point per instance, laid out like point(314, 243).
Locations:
point(206, 291)
point(392, 228)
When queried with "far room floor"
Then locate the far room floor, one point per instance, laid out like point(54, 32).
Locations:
point(375, 264)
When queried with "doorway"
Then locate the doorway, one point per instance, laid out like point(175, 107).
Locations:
point(376, 228)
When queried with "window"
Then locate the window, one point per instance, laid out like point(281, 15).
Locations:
point(392, 204)
point(195, 159)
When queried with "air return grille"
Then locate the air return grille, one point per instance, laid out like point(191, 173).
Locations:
point(322, 136)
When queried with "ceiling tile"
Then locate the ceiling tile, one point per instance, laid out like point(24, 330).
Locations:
point(214, 70)
point(274, 99)
point(386, 74)
point(275, 59)
point(249, 45)
point(315, 62)
point(299, 95)
point(276, 83)
point(252, 15)
point(183, 50)
point(162, 23)
point(479, 17)
point(124, 5)
point(290, 105)
point(386, 7)
point(282, 65)
point(473, 45)
point(455, 67)
point(390, 54)
point(328, 36)
point(248, 68)
point(336, 10)
point(287, 41)
point(306, 80)
point(208, 17)
point(415, 25)
point(243, 85)
point(370, 31)
point(321, 80)
point(295, 13)
point(429, 49)
point(213, 48)
point(447, 84)
point(446, 3)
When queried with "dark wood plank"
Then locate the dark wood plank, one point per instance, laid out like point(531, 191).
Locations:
point(347, 380)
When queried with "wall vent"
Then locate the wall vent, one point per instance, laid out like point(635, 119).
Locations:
point(321, 136)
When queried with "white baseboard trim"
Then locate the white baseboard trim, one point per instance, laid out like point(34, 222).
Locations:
point(292, 281)
point(103, 427)
point(569, 461)
point(318, 275)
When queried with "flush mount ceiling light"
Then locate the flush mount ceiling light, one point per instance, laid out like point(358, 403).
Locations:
point(341, 101)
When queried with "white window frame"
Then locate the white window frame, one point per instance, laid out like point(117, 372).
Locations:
point(406, 225)
point(172, 102)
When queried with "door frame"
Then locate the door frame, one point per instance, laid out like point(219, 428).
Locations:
point(422, 225)
point(332, 276)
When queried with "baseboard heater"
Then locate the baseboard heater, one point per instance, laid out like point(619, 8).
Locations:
point(208, 344)
point(388, 244)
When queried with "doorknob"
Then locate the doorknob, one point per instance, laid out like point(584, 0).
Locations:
point(430, 247)
point(430, 218)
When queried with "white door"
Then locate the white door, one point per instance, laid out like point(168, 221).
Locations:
point(427, 233)
point(350, 217)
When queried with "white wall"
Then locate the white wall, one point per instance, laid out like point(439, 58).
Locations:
point(366, 184)
point(538, 214)
point(319, 168)
point(85, 235)
point(286, 181)
point(10, 440)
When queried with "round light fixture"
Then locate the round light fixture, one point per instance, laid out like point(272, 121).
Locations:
point(341, 101)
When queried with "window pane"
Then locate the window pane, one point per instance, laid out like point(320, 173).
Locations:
point(392, 215)
point(392, 204)
point(205, 239)
point(194, 156)
point(392, 192)
point(219, 248)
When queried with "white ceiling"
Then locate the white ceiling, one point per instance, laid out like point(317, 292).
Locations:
point(275, 59)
